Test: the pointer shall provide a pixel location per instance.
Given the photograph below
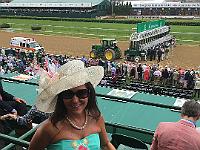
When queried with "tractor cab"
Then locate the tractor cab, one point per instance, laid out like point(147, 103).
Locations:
point(107, 43)
point(108, 50)
point(135, 51)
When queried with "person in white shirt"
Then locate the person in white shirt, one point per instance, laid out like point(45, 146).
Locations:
point(157, 74)
point(197, 86)
point(2, 71)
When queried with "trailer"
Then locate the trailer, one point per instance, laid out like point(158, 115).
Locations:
point(26, 44)
point(148, 36)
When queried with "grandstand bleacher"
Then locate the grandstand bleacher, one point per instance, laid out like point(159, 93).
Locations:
point(51, 8)
point(96, 8)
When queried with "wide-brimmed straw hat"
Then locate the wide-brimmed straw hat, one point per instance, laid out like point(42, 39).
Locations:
point(70, 75)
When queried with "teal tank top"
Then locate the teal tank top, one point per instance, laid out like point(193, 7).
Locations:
point(90, 142)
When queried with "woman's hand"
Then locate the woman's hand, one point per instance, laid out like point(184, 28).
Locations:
point(3, 117)
point(12, 116)
point(9, 117)
point(19, 100)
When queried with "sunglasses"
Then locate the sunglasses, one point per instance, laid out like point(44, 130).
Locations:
point(81, 94)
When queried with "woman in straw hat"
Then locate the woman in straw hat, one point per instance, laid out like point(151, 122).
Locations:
point(76, 122)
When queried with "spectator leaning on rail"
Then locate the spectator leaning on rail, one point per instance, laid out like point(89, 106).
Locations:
point(181, 135)
point(32, 116)
point(9, 105)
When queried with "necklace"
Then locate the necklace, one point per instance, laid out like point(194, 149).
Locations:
point(75, 126)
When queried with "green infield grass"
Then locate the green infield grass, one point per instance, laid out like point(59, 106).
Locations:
point(122, 32)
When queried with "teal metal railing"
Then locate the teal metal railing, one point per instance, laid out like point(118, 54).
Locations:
point(144, 135)
point(18, 141)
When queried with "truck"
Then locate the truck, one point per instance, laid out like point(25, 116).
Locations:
point(107, 50)
point(148, 35)
point(27, 44)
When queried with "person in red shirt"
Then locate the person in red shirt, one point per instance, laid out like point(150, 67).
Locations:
point(181, 135)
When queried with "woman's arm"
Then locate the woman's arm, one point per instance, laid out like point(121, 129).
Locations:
point(105, 143)
point(42, 136)
point(28, 117)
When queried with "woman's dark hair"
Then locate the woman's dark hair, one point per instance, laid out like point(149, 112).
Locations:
point(92, 108)
point(191, 109)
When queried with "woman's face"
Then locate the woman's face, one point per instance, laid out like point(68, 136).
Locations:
point(76, 99)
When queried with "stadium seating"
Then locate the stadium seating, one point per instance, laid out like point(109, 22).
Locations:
point(145, 87)
point(126, 141)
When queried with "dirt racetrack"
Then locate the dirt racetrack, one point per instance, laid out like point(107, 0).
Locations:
point(186, 56)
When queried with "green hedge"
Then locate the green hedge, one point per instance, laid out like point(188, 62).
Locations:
point(5, 25)
point(183, 23)
point(36, 27)
point(180, 22)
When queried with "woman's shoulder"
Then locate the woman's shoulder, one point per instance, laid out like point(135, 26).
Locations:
point(97, 119)
point(96, 122)
point(100, 121)
point(46, 124)
point(50, 131)
point(48, 128)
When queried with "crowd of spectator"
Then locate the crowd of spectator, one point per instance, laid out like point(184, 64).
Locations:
point(56, 12)
point(30, 63)
point(181, 78)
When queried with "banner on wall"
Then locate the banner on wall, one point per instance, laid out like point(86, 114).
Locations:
point(179, 102)
point(122, 93)
point(22, 77)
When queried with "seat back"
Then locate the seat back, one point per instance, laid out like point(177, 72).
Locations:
point(132, 142)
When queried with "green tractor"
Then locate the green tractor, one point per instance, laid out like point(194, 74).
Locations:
point(108, 50)
point(134, 52)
